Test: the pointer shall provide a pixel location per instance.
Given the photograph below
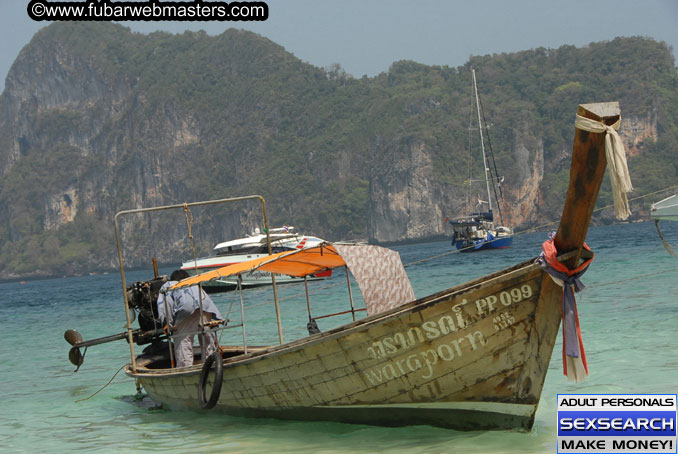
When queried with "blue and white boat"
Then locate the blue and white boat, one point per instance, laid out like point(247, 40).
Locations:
point(478, 230)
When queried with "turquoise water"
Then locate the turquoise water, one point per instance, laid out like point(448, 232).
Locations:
point(629, 326)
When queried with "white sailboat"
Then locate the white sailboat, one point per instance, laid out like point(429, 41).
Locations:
point(478, 230)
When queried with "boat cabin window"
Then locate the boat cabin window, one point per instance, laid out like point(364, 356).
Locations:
point(258, 249)
point(242, 250)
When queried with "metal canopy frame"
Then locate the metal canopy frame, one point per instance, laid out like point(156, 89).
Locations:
point(118, 240)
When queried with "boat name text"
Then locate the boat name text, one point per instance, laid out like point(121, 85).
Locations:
point(425, 360)
point(433, 329)
point(447, 324)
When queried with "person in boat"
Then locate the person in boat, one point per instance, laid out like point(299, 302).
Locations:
point(183, 305)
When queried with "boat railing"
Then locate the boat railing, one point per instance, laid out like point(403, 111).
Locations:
point(186, 207)
point(360, 309)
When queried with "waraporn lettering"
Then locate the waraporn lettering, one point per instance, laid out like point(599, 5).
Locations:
point(429, 330)
point(446, 324)
point(425, 360)
point(433, 329)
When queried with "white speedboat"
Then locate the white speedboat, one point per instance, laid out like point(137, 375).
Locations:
point(666, 209)
point(252, 247)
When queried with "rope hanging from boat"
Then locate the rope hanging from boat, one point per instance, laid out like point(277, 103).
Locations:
point(574, 356)
point(188, 214)
point(103, 387)
point(616, 161)
point(667, 246)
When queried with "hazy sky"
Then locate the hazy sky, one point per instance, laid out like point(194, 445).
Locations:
point(366, 36)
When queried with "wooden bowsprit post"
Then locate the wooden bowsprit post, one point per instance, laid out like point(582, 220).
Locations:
point(586, 176)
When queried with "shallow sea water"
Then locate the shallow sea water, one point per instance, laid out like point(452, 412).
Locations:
point(629, 326)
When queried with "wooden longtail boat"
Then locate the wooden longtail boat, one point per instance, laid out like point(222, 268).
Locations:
point(474, 356)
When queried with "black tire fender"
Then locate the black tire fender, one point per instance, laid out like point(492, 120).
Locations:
point(214, 358)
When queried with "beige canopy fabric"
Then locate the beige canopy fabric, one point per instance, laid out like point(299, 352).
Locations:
point(380, 275)
point(378, 271)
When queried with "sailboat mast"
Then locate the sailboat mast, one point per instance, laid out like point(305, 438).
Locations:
point(482, 143)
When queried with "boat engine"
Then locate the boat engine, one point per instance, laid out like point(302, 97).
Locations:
point(142, 297)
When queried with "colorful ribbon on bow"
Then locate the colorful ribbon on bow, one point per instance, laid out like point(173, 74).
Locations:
point(574, 357)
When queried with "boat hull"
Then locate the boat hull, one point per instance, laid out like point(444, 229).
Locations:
point(481, 416)
point(471, 357)
point(483, 244)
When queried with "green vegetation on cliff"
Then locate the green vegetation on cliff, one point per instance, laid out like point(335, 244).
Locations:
point(96, 118)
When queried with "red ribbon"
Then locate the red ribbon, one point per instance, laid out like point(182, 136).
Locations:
point(550, 255)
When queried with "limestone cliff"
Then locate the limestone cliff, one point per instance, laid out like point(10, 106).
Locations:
point(95, 119)
point(404, 200)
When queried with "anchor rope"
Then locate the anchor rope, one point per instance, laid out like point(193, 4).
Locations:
point(103, 387)
point(455, 251)
point(667, 246)
point(539, 227)
point(631, 278)
point(591, 286)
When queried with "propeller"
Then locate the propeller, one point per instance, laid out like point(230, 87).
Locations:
point(75, 357)
point(73, 337)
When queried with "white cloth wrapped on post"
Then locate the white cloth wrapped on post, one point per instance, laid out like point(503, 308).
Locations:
point(616, 161)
